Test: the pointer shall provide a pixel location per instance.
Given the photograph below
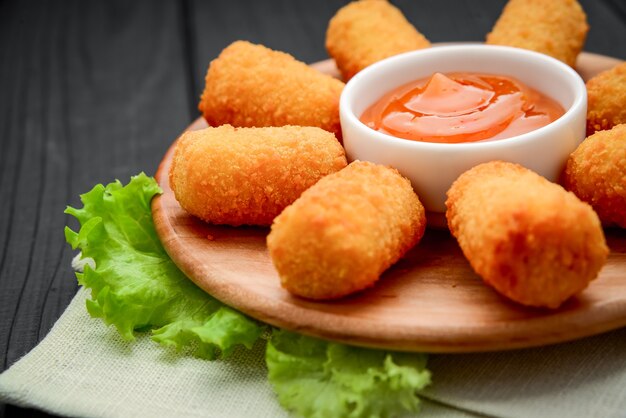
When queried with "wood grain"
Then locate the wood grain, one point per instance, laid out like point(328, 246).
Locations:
point(90, 92)
point(80, 104)
point(430, 301)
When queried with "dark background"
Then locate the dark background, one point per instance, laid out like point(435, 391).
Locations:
point(91, 91)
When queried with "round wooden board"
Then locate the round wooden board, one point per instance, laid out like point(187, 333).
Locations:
point(429, 301)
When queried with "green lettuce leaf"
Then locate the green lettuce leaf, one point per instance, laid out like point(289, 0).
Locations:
point(136, 286)
point(319, 379)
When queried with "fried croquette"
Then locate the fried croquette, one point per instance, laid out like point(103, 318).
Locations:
point(343, 232)
point(238, 176)
point(553, 27)
point(606, 99)
point(251, 85)
point(528, 238)
point(366, 31)
point(596, 173)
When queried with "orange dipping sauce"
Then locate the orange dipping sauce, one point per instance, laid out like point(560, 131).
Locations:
point(461, 107)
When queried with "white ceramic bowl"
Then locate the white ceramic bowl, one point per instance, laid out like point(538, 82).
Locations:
point(433, 167)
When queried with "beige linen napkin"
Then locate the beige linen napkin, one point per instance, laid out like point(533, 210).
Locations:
point(584, 378)
point(82, 368)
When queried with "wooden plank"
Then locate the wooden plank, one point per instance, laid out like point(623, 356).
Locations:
point(294, 26)
point(298, 26)
point(90, 92)
point(607, 22)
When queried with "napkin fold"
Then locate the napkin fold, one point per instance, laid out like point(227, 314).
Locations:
point(83, 368)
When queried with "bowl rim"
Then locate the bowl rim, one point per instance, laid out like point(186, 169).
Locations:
point(347, 99)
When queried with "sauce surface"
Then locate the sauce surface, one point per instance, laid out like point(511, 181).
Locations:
point(461, 107)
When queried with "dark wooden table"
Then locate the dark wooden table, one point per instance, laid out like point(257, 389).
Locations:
point(91, 91)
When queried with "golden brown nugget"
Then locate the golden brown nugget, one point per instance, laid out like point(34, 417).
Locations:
point(554, 27)
point(596, 173)
point(528, 238)
point(606, 99)
point(367, 31)
point(238, 176)
point(251, 85)
point(342, 233)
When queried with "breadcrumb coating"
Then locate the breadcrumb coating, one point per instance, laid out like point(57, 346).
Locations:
point(238, 176)
point(342, 233)
point(528, 238)
point(251, 85)
point(606, 99)
point(364, 32)
point(553, 27)
point(596, 173)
